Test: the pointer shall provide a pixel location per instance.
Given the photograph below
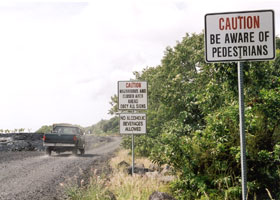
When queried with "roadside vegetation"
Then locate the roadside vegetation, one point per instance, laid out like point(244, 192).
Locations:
point(45, 129)
point(20, 130)
point(104, 127)
point(118, 184)
point(193, 123)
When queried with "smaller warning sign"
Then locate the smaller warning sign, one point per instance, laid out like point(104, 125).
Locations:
point(132, 95)
point(133, 123)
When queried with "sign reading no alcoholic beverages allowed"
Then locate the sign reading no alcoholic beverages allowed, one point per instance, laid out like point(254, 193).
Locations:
point(133, 123)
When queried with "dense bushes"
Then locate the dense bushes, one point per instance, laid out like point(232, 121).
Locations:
point(193, 123)
point(110, 126)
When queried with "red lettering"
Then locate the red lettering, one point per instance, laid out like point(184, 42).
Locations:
point(239, 22)
point(249, 22)
point(221, 27)
point(228, 24)
point(234, 23)
point(133, 85)
point(256, 21)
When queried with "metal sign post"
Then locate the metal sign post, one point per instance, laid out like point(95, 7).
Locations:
point(132, 143)
point(242, 130)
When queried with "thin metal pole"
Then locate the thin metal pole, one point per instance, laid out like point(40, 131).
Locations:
point(132, 170)
point(242, 131)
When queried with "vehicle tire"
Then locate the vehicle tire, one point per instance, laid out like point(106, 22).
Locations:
point(75, 152)
point(48, 151)
point(82, 151)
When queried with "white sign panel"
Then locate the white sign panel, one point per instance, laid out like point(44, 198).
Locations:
point(240, 36)
point(132, 123)
point(132, 95)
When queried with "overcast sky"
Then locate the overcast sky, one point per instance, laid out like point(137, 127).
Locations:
point(60, 61)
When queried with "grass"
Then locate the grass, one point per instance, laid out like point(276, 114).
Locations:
point(94, 191)
point(137, 188)
point(122, 185)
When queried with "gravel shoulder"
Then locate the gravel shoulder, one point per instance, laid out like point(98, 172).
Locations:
point(33, 175)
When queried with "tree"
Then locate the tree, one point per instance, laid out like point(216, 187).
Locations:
point(44, 129)
point(110, 126)
point(21, 130)
point(277, 42)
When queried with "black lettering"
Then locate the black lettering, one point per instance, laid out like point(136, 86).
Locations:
point(219, 51)
point(224, 52)
point(259, 49)
point(253, 51)
point(212, 39)
point(245, 52)
point(218, 39)
point(214, 51)
point(132, 100)
point(266, 35)
point(215, 39)
point(139, 96)
point(245, 37)
point(227, 38)
point(240, 38)
point(265, 52)
point(140, 106)
point(229, 51)
point(261, 36)
point(235, 53)
point(142, 90)
point(252, 37)
point(233, 37)
point(240, 51)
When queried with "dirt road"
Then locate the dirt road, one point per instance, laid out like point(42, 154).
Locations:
point(33, 175)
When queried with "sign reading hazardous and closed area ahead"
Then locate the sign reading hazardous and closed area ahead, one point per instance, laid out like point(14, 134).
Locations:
point(132, 95)
point(239, 36)
point(132, 123)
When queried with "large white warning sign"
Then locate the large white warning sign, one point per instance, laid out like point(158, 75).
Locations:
point(240, 36)
point(132, 123)
point(132, 95)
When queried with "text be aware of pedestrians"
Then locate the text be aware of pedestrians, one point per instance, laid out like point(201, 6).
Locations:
point(238, 36)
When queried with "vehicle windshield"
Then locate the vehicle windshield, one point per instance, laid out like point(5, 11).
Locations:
point(66, 130)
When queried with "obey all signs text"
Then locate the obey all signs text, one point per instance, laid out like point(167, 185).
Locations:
point(238, 36)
